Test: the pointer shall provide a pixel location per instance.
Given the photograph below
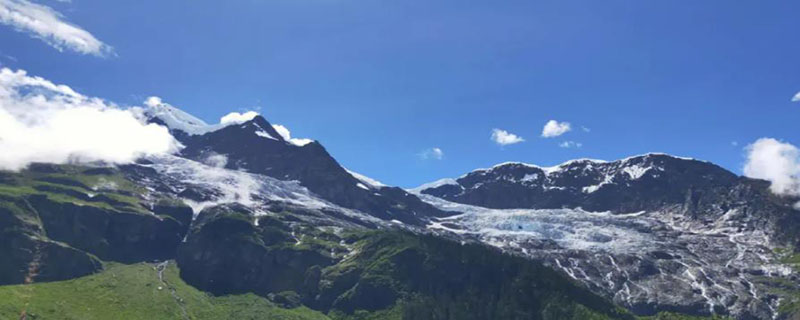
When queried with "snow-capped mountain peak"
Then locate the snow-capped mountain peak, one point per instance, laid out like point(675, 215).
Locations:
point(588, 183)
point(173, 118)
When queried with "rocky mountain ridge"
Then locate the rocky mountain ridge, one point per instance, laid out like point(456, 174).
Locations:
point(654, 232)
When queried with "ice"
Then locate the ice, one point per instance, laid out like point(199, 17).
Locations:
point(232, 186)
point(570, 228)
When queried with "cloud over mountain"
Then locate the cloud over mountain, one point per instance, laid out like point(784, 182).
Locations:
point(41, 121)
point(776, 161)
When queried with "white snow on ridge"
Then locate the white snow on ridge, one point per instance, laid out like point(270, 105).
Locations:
point(660, 154)
point(178, 119)
point(175, 118)
point(264, 134)
point(561, 166)
point(610, 168)
point(366, 180)
point(435, 184)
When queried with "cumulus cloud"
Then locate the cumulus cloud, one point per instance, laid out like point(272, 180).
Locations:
point(570, 144)
point(236, 118)
point(796, 97)
point(44, 23)
point(503, 137)
point(776, 161)
point(41, 121)
point(432, 153)
point(284, 132)
point(554, 128)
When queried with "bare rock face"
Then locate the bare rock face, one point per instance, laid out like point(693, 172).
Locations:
point(28, 256)
point(227, 253)
point(112, 235)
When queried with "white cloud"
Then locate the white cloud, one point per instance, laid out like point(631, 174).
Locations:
point(776, 161)
point(796, 97)
point(503, 137)
point(585, 129)
point(570, 144)
point(284, 132)
point(735, 143)
point(153, 102)
point(43, 22)
point(236, 118)
point(432, 153)
point(44, 122)
point(554, 128)
point(216, 160)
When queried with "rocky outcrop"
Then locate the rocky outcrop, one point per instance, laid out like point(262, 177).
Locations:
point(28, 256)
point(114, 235)
point(226, 253)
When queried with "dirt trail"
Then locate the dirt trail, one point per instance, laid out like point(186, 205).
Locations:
point(30, 276)
point(160, 267)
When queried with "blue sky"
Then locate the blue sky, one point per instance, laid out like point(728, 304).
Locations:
point(381, 83)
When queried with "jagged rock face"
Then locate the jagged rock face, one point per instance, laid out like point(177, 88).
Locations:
point(56, 221)
point(256, 147)
point(654, 232)
point(111, 235)
point(28, 256)
point(226, 253)
point(630, 185)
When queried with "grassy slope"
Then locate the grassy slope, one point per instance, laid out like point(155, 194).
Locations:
point(132, 292)
point(63, 186)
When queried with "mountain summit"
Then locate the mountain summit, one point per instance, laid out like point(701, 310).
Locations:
point(256, 146)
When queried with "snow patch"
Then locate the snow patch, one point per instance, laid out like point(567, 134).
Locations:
point(366, 180)
point(636, 171)
point(264, 134)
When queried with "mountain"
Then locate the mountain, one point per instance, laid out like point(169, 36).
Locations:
point(653, 232)
point(93, 242)
point(255, 146)
point(248, 222)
